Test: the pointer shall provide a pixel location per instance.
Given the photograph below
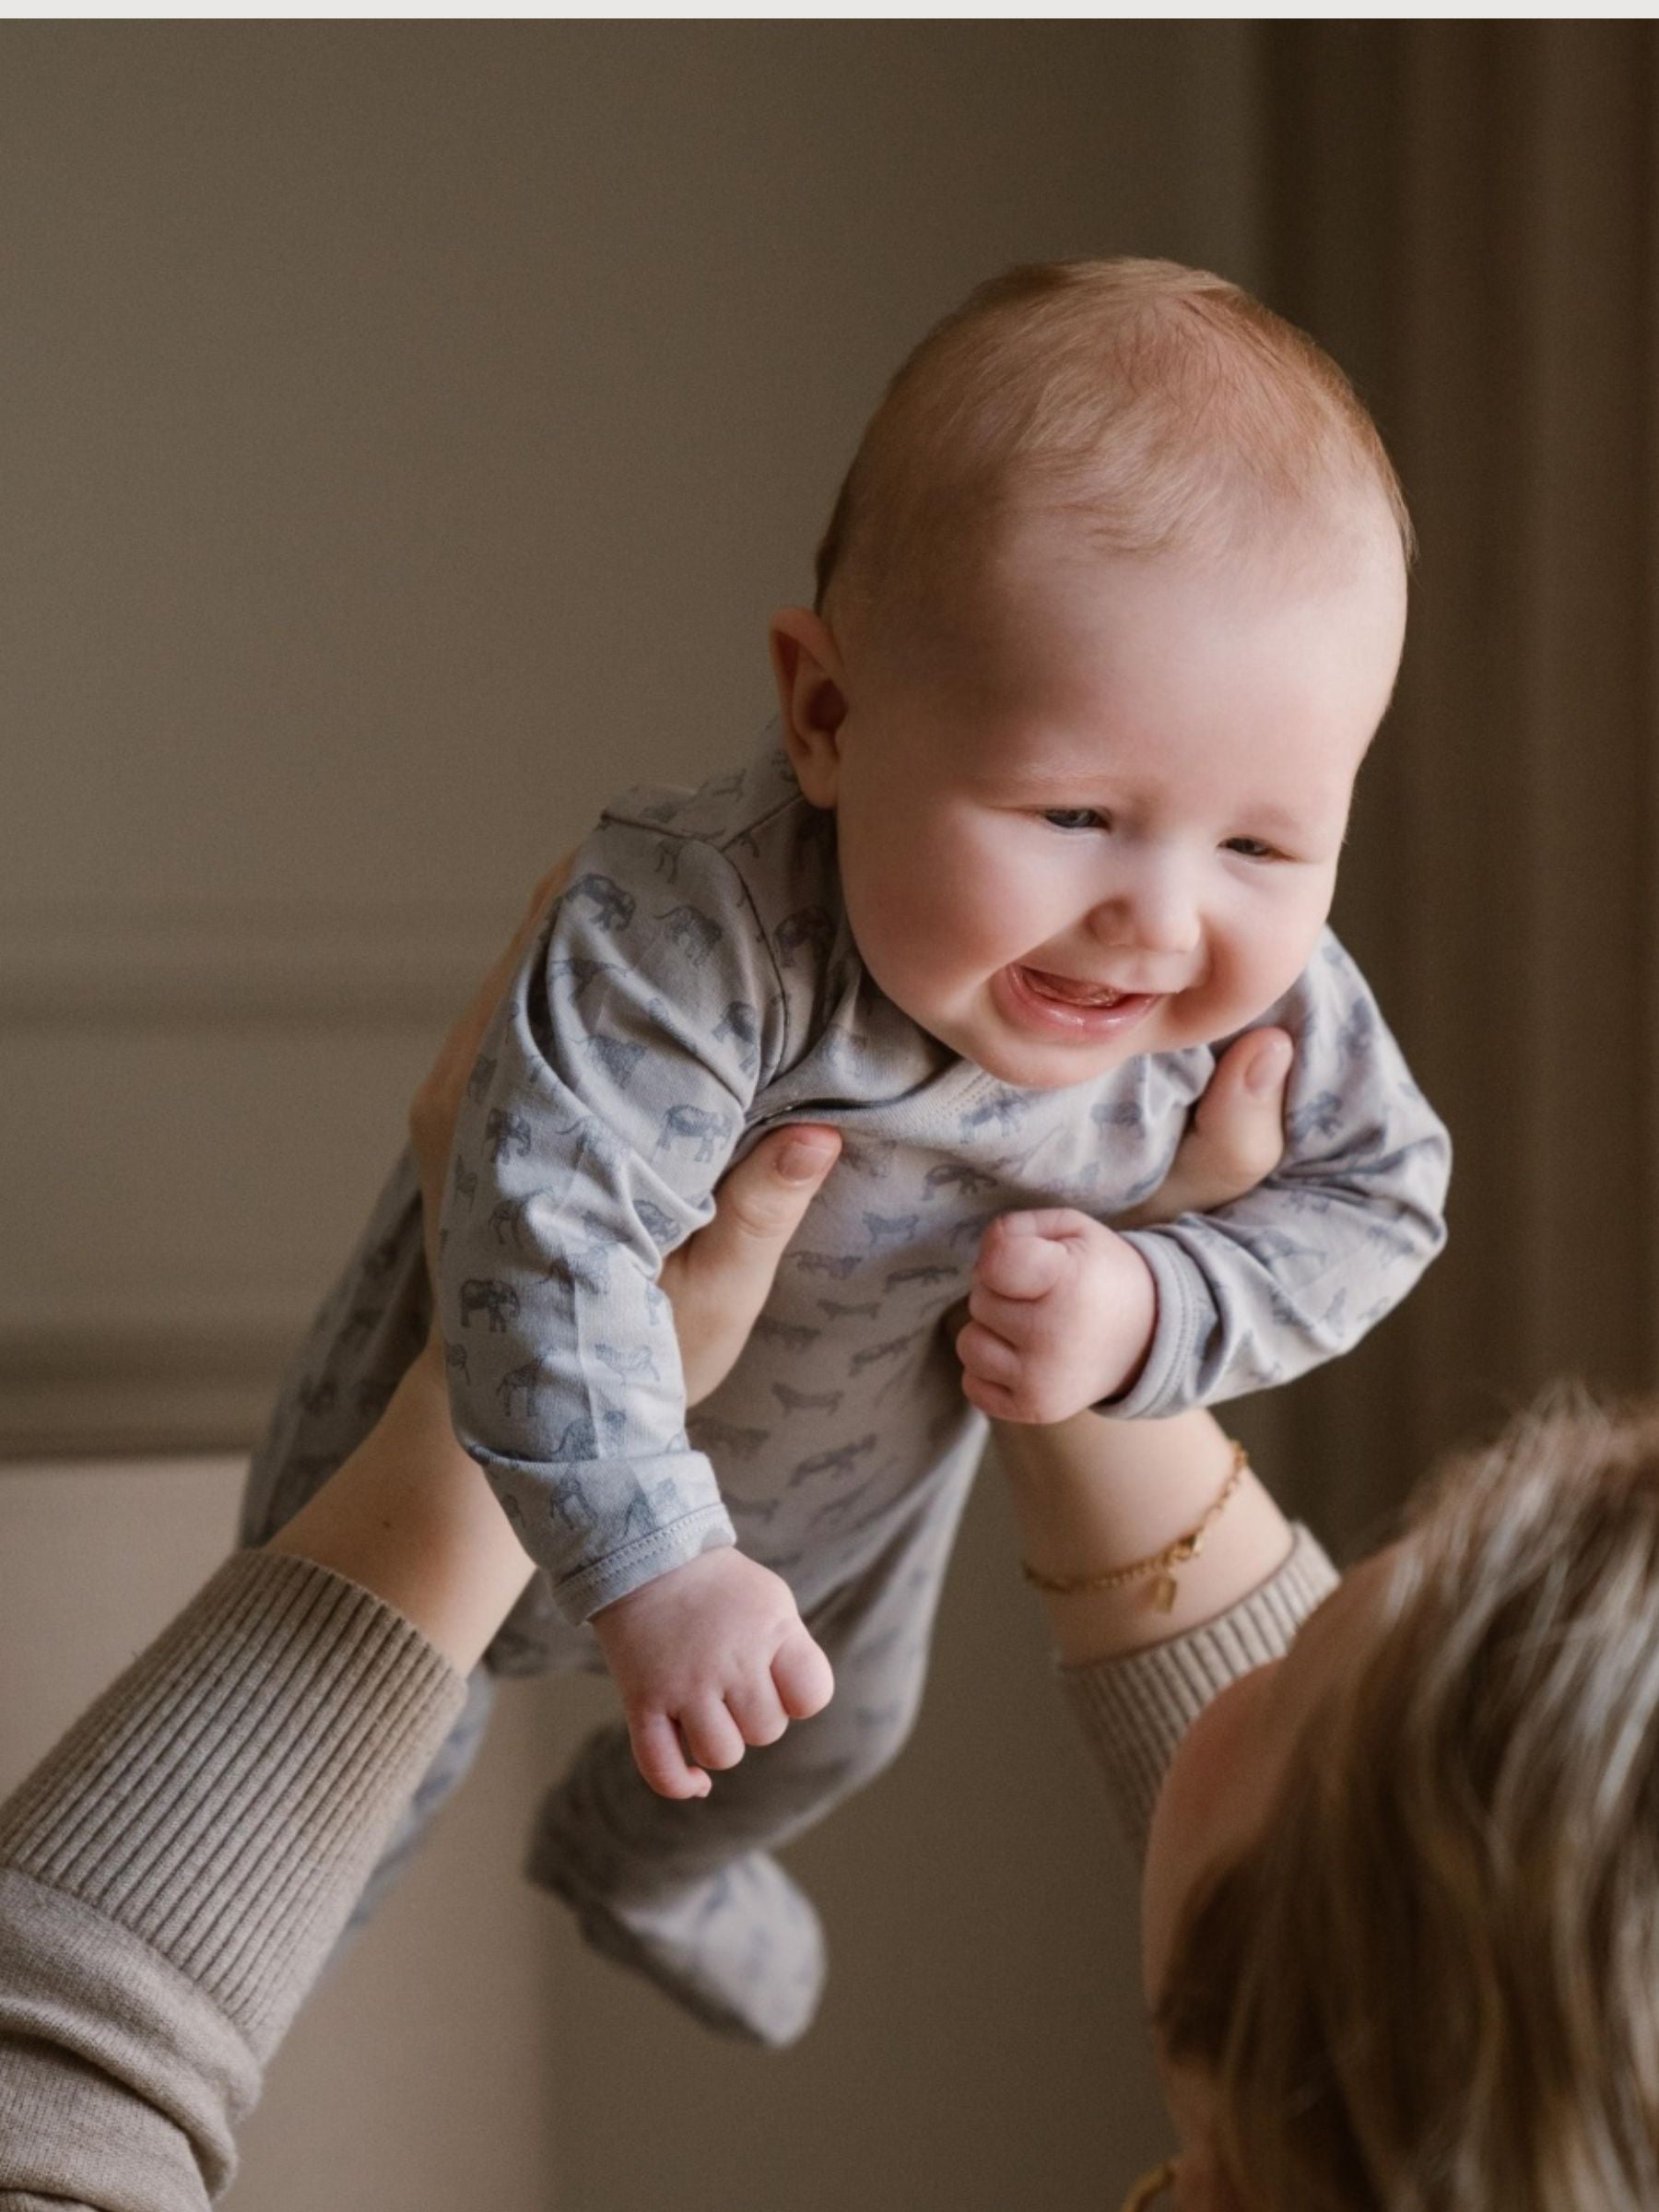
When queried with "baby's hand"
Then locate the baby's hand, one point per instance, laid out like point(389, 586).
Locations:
point(710, 1657)
point(1062, 1315)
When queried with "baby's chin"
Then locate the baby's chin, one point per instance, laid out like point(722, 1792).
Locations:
point(1037, 1066)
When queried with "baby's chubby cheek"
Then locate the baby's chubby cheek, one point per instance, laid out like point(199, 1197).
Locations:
point(924, 950)
point(1250, 970)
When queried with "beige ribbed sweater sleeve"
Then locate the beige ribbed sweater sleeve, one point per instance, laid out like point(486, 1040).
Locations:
point(1134, 1710)
point(174, 1874)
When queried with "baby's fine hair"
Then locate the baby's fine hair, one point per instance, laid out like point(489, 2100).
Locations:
point(1163, 406)
point(1432, 1985)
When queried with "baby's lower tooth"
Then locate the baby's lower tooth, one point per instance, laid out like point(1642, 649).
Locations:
point(1080, 994)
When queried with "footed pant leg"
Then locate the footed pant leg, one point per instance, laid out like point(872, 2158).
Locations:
point(364, 1336)
point(688, 1894)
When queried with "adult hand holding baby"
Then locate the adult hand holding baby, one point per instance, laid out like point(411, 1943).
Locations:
point(714, 1656)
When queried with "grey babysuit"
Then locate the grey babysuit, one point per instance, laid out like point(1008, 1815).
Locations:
point(696, 986)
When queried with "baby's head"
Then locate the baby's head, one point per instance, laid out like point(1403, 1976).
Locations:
point(1109, 606)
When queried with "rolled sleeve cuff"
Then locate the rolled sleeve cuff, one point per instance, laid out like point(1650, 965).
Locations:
point(1165, 1383)
point(606, 1579)
point(603, 1527)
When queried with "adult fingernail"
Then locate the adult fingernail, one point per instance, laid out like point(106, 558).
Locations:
point(1267, 1071)
point(804, 1158)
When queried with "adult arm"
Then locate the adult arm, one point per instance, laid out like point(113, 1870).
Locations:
point(174, 1873)
point(1091, 1496)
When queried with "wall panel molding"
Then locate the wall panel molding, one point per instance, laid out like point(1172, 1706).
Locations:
point(228, 966)
point(84, 1391)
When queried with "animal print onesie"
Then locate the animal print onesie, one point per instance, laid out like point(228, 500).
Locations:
point(696, 986)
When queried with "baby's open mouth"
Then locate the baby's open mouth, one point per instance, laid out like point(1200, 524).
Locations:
point(1072, 991)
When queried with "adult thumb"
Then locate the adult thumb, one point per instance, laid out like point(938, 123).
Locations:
point(721, 1278)
point(762, 1198)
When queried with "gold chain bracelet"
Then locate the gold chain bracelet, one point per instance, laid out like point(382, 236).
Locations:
point(1161, 1563)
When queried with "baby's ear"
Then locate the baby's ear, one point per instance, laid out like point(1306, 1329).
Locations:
point(812, 699)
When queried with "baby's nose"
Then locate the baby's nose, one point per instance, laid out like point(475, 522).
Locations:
point(1153, 910)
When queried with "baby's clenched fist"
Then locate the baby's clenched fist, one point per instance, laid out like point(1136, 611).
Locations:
point(708, 1658)
point(1061, 1315)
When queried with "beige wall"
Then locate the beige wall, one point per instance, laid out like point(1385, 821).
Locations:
point(408, 428)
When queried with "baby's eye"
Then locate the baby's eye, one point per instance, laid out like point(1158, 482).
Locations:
point(1074, 818)
point(1251, 848)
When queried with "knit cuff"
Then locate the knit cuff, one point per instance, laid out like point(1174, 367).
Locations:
point(1185, 1314)
point(225, 1799)
point(1133, 1711)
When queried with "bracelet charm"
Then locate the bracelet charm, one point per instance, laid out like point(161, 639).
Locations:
point(1161, 1565)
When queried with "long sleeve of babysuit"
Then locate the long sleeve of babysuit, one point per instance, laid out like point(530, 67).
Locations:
point(150, 1966)
point(699, 983)
point(610, 1097)
point(1299, 1268)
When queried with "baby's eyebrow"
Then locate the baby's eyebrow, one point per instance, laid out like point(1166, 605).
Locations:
point(1061, 776)
point(1269, 814)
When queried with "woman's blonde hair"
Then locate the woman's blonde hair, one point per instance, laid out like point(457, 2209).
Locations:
point(1162, 406)
point(1433, 1984)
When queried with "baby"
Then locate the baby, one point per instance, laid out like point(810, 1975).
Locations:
point(1108, 610)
